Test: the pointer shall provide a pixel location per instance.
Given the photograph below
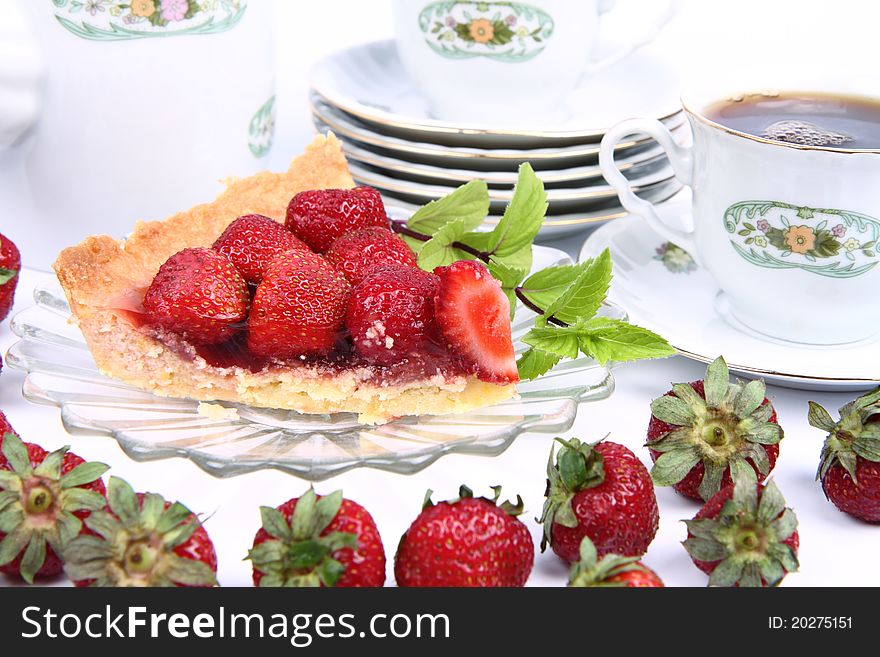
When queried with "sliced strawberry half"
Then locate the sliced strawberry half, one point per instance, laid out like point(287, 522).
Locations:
point(474, 319)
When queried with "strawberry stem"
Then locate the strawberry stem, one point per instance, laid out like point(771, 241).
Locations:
point(399, 226)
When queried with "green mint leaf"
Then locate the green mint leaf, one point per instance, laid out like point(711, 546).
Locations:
point(478, 241)
point(439, 250)
point(412, 242)
point(520, 261)
point(585, 294)
point(523, 216)
point(600, 338)
point(611, 339)
point(545, 286)
point(509, 277)
point(469, 205)
point(534, 363)
point(559, 341)
point(7, 275)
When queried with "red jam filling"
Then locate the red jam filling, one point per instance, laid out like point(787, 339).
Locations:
point(432, 360)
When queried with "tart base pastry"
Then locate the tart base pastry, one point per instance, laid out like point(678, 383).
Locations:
point(104, 280)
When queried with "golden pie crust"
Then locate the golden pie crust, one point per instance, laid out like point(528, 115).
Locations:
point(102, 277)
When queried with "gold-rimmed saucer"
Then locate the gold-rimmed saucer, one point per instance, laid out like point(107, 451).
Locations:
point(564, 200)
point(368, 82)
point(328, 119)
point(634, 167)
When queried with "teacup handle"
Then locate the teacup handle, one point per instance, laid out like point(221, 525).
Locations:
point(649, 34)
point(681, 159)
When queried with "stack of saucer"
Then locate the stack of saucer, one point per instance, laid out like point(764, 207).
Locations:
point(394, 144)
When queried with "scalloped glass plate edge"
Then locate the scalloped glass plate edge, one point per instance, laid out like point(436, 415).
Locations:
point(60, 372)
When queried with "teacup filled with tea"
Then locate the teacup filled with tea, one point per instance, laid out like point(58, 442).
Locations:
point(786, 205)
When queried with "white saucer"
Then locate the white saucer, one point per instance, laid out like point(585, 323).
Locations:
point(673, 297)
point(581, 194)
point(634, 167)
point(568, 199)
point(369, 82)
point(557, 225)
point(327, 118)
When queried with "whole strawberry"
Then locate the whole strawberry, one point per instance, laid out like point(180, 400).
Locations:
point(744, 535)
point(470, 541)
point(5, 427)
point(358, 253)
point(318, 540)
point(474, 319)
point(43, 499)
point(299, 307)
point(850, 465)
point(321, 216)
point(10, 264)
point(390, 313)
point(610, 570)
point(198, 294)
point(700, 432)
point(601, 490)
point(141, 540)
point(252, 241)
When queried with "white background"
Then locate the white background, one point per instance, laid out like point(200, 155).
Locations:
point(710, 38)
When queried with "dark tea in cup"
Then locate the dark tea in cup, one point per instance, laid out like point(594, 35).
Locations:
point(803, 118)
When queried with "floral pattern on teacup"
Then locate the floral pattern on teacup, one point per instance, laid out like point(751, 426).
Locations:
point(828, 242)
point(675, 258)
point(505, 31)
point(262, 128)
point(114, 20)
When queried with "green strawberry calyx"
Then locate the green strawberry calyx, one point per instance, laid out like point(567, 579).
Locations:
point(7, 274)
point(854, 436)
point(133, 543)
point(299, 554)
point(38, 504)
point(591, 571)
point(512, 509)
point(747, 539)
point(578, 466)
point(724, 430)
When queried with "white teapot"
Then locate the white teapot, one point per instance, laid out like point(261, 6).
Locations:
point(117, 110)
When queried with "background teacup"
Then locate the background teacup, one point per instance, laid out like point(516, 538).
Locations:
point(789, 232)
point(503, 62)
point(143, 107)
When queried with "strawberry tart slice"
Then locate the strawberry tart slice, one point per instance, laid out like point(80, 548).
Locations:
point(291, 291)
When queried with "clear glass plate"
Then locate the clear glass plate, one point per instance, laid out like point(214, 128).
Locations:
point(61, 372)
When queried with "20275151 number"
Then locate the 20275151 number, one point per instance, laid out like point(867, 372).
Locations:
point(810, 623)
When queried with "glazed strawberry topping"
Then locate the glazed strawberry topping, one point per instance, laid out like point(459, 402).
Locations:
point(474, 319)
point(359, 252)
point(390, 313)
point(319, 217)
point(299, 308)
point(360, 301)
point(199, 294)
point(251, 242)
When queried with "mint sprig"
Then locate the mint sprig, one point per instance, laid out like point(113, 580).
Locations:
point(444, 230)
point(565, 298)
